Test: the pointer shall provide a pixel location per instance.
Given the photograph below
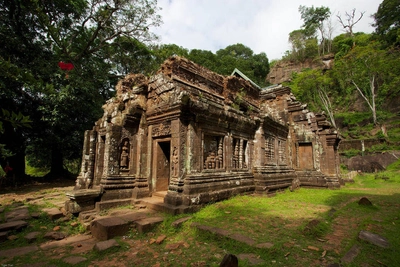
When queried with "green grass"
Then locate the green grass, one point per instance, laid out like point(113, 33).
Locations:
point(296, 223)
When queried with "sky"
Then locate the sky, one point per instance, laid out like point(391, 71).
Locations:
point(262, 25)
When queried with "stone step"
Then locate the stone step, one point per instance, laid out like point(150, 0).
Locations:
point(13, 225)
point(108, 204)
point(157, 203)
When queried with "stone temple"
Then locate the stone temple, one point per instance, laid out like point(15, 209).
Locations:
point(195, 137)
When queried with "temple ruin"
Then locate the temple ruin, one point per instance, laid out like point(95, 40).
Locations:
point(195, 137)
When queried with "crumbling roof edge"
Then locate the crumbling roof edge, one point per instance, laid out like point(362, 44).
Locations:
point(242, 75)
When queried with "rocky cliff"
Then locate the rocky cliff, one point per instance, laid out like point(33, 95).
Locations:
point(282, 71)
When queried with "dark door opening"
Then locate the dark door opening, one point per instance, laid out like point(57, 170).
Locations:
point(163, 165)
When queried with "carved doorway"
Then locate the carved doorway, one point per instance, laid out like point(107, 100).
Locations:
point(305, 156)
point(161, 165)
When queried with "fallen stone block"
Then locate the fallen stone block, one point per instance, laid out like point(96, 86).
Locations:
point(351, 254)
point(147, 224)
point(107, 228)
point(20, 213)
point(373, 239)
point(180, 221)
point(11, 253)
point(53, 213)
point(53, 235)
point(31, 237)
point(73, 260)
point(13, 225)
point(104, 245)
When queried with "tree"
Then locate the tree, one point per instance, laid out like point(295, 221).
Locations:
point(35, 36)
point(351, 21)
point(314, 20)
point(317, 89)
point(254, 66)
point(387, 22)
point(372, 72)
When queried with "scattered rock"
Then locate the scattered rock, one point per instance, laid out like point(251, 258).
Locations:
point(53, 213)
point(31, 237)
point(160, 239)
point(265, 245)
point(107, 228)
point(20, 213)
point(331, 212)
point(104, 245)
point(13, 225)
point(56, 228)
point(364, 202)
point(11, 253)
point(173, 246)
point(351, 254)
point(313, 248)
point(35, 215)
point(54, 235)
point(147, 224)
point(73, 260)
point(373, 239)
point(229, 260)
point(74, 224)
point(12, 237)
point(180, 221)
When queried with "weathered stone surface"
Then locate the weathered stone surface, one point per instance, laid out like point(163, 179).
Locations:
point(264, 245)
point(147, 224)
point(31, 237)
point(53, 235)
point(351, 254)
point(14, 252)
point(104, 245)
point(180, 221)
point(107, 228)
point(73, 260)
point(160, 239)
point(20, 213)
point(374, 239)
point(53, 213)
point(66, 241)
point(13, 225)
point(364, 202)
point(207, 138)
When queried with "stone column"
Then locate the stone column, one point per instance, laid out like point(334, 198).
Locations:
point(111, 151)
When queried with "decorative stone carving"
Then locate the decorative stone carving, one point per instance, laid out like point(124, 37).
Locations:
point(124, 161)
point(161, 130)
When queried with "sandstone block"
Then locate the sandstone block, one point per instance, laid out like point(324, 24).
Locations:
point(104, 245)
point(107, 228)
point(53, 213)
point(13, 225)
point(147, 224)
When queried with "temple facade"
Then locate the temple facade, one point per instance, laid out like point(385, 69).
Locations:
point(197, 137)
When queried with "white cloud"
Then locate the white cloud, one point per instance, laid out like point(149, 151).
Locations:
point(262, 25)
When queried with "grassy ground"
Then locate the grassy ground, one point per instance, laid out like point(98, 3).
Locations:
point(308, 227)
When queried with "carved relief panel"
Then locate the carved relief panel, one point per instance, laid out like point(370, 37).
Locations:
point(239, 156)
point(213, 152)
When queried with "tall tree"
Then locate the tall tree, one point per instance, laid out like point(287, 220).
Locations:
point(351, 21)
point(36, 36)
point(387, 22)
point(313, 18)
